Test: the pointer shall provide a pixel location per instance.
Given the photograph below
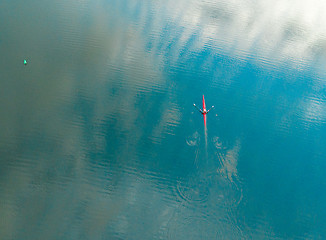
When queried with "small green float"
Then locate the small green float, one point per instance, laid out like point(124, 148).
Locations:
point(25, 61)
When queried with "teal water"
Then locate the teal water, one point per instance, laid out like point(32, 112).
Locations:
point(99, 138)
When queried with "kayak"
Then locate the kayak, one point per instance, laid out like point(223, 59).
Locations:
point(204, 111)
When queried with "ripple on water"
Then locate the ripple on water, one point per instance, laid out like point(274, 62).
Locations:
point(210, 190)
point(224, 193)
point(218, 143)
point(229, 230)
point(186, 225)
point(193, 192)
point(194, 139)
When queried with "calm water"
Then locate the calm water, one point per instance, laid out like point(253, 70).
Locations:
point(99, 138)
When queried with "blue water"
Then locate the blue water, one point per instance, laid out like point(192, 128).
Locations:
point(99, 138)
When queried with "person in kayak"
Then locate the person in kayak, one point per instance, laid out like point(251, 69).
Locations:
point(204, 112)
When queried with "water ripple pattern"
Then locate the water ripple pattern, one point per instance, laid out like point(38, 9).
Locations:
point(99, 138)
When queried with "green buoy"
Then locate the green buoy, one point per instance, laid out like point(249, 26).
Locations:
point(25, 61)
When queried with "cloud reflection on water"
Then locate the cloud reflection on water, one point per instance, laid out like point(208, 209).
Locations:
point(277, 32)
point(99, 74)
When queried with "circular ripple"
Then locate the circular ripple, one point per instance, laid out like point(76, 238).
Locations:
point(193, 140)
point(218, 143)
point(193, 192)
point(224, 192)
point(211, 190)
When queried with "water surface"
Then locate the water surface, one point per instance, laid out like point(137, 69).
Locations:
point(99, 138)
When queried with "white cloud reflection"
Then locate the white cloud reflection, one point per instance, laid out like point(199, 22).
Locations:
point(273, 31)
point(314, 110)
point(270, 31)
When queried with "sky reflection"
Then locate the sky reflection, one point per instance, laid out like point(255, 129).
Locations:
point(99, 137)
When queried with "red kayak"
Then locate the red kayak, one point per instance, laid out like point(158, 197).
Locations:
point(204, 111)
